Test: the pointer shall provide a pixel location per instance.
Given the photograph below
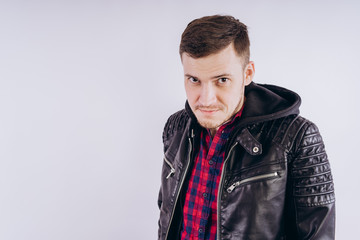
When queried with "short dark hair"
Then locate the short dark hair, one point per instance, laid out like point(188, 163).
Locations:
point(211, 34)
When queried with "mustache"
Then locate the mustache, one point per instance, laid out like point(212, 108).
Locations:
point(209, 108)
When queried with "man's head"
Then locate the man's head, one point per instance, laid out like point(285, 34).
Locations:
point(215, 55)
point(210, 34)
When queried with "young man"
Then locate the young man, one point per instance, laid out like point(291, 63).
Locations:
point(239, 161)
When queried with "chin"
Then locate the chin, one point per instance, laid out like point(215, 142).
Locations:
point(209, 124)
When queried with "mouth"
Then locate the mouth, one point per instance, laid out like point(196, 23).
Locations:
point(208, 111)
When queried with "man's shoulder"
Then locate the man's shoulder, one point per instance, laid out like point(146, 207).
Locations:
point(175, 123)
point(288, 130)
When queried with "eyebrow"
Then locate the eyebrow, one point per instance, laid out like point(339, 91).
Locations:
point(215, 77)
point(188, 75)
point(222, 75)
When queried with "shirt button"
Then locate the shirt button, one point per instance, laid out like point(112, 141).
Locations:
point(200, 230)
point(211, 162)
point(205, 194)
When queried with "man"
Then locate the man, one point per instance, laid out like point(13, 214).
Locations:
point(239, 161)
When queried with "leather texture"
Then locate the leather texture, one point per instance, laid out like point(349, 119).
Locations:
point(276, 181)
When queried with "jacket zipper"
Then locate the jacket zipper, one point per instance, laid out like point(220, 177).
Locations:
point(172, 169)
point(181, 183)
point(255, 178)
point(219, 193)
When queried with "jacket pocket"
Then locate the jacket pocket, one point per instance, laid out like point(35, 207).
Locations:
point(172, 169)
point(266, 176)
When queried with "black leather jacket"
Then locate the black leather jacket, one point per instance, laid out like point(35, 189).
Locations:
point(275, 183)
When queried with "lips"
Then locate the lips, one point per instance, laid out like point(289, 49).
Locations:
point(208, 110)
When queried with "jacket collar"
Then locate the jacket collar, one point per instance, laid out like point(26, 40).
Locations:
point(264, 102)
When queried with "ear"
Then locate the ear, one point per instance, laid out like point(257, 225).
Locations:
point(249, 73)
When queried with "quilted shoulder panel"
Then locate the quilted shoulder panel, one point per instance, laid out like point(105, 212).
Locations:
point(310, 169)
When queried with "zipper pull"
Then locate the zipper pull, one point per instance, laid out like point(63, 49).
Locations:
point(247, 180)
point(172, 171)
point(232, 187)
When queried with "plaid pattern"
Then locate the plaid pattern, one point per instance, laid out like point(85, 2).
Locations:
point(200, 206)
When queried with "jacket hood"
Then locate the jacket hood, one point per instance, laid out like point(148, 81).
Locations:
point(265, 102)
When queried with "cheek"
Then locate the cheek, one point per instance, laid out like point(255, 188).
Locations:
point(230, 99)
point(225, 97)
point(191, 95)
point(187, 91)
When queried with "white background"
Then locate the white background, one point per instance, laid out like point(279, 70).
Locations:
point(86, 87)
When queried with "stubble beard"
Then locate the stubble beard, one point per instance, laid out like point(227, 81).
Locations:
point(214, 124)
point(209, 124)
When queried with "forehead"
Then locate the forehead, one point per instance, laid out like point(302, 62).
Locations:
point(224, 62)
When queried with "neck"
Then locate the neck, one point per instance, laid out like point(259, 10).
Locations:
point(213, 131)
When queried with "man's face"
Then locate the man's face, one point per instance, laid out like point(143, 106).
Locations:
point(215, 85)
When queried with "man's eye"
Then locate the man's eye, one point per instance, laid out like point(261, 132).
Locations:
point(193, 80)
point(223, 80)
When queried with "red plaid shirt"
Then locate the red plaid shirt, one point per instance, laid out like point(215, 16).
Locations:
point(200, 206)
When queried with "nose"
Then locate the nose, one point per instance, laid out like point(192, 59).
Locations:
point(207, 95)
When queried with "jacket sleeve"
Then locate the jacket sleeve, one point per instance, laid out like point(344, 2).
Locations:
point(172, 134)
point(159, 202)
point(166, 130)
point(312, 200)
